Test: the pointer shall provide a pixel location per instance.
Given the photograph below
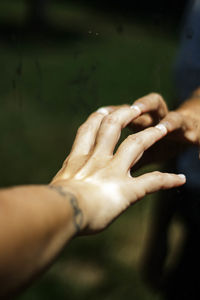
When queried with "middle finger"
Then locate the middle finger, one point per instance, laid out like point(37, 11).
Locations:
point(132, 148)
point(110, 129)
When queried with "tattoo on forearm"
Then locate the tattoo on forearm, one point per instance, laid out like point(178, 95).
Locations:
point(78, 214)
point(59, 189)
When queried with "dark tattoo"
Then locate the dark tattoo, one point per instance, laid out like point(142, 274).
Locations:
point(78, 214)
point(59, 189)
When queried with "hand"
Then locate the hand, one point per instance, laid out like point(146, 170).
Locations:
point(101, 180)
point(183, 123)
point(152, 108)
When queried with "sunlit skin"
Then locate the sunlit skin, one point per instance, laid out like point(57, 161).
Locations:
point(92, 188)
point(99, 168)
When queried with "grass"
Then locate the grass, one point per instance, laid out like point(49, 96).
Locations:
point(49, 84)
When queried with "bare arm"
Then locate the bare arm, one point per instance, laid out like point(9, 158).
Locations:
point(92, 188)
point(35, 224)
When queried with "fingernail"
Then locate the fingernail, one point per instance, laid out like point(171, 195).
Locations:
point(162, 128)
point(140, 105)
point(136, 107)
point(103, 111)
point(166, 123)
point(182, 176)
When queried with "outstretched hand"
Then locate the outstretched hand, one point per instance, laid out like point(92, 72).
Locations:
point(101, 180)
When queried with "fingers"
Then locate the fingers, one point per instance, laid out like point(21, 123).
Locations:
point(133, 147)
point(172, 121)
point(144, 121)
point(86, 134)
point(148, 103)
point(153, 109)
point(152, 102)
point(155, 181)
point(110, 129)
point(112, 108)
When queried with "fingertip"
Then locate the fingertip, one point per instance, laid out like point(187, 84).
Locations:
point(182, 177)
point(136, 108)
point(166, 124)
point(162, 128)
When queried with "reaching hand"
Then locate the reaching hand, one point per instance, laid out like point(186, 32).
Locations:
point(101, 180)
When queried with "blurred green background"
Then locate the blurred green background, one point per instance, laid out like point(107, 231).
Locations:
point(57, 65)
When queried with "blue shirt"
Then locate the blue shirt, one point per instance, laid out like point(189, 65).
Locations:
point(187, 79)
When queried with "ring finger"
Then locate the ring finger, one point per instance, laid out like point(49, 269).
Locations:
point(132, 148)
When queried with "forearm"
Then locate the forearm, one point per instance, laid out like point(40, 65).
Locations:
point(35, 224)
point(91, 190)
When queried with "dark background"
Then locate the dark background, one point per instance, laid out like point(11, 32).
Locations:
point(59, 61)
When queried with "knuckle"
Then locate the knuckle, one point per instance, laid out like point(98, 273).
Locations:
point(93, 119)
point(85, 127)
point(161, 108)
point(65, 163)
point(110, 120)
point(125, 105)
point(157, 96)
point(134, 138)
point(69, 161)
point(81, 129)
point(158, 175)
point(160, 101)
point(94, 115)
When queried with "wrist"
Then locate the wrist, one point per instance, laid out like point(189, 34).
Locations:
point(73, 196)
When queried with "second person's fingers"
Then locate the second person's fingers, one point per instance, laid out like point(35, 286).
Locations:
point(152, 102)
point(153, 109)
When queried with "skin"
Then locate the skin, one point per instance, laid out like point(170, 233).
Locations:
point(182, 124)
point(93, 187)
point(183, 127)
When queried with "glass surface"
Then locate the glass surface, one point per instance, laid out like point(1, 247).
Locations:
point(60, 61)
